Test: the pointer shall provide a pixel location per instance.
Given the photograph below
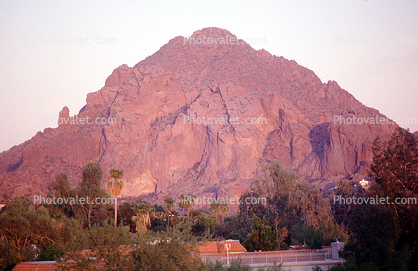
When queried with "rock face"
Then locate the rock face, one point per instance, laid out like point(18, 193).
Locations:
point(203, 118)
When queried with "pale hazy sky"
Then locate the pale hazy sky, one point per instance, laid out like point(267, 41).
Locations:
point(369, 47)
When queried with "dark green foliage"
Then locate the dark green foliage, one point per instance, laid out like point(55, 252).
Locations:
point(262, 236)
point(383, 237)
point(233, 228)
point(395, 171)
point(100, 242)
point(343, 213)
point(247, 211)
point(317, 241)
point(203, 225)
point(60, 186)
point(9, 254)
point(95, 208)
point(315, 238)
point(92, 178)
point(158, 218)
point(373, 237)
point(125, 214)
point(90, 188)
point(303, 235)
point(51, 253)
point(288, 203)
point(170, 254)
point(277, 187)
point(169, 206)
point(175, 249)
point(27, 231)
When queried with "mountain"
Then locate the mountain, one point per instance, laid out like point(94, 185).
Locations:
point(171, 122)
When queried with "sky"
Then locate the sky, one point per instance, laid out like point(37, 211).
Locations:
point(52, 53)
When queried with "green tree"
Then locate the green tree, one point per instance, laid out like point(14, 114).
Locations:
point(169, 205)
point(187, 201)
point(100, 248)
point(90, 189)
point(310, 206)
point(60, 188)
point(262, 236)
point(395, 171)
point(142, 218)
point(191, 202)
point(126, 212)
point(167, 250)
point(26, 231)
point(315, 238)
point(248, 207)
point(203, 224)
point(116, 186)
point(215, 209)
point(184, 202)
point(109, 248)
point(373, 237)
point(289, 203)
point(343, 212)
point(277, 188)
point(88, 202)
point(223, 209)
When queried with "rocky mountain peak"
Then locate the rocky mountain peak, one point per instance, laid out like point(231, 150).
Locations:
point(203, 119)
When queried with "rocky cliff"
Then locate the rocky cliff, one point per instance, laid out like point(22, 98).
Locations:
point(199, 117)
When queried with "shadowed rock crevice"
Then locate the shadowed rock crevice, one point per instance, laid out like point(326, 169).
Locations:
point(15, 166)
point(319, 139)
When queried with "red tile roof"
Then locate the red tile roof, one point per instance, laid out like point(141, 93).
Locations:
point(218, 247)
point(35, 266)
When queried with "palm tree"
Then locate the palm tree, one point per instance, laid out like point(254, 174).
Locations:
point(215, 209)
point(142, 218)
point(116, 186)
point(169, 205)
point(187, 201)
point(190, 203)
point(182, 202)
point(223, 209)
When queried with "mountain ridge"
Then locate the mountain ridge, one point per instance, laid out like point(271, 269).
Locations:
point(163, 154)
